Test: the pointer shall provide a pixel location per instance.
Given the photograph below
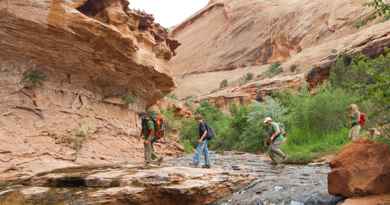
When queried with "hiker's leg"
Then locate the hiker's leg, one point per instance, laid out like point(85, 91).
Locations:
point(206, 153)
point(271, 154)
point(154, 155)
point(147, 153)
point(276, 151)
point(355, 132)
point(196, 158)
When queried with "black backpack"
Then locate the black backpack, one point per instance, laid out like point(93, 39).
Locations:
point(210, 132)
point(144, 124)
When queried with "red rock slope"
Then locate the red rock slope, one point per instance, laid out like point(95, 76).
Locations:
point(230, 38)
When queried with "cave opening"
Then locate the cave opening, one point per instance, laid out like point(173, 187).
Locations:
point(92, 7)
point(68, 182)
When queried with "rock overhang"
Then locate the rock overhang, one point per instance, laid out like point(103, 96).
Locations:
point(102, 42)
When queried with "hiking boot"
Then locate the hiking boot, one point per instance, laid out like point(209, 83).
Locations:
point(160, 160)
point(193, 165)
point(206, 166)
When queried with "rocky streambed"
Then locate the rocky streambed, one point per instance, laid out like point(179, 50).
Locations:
point(274, 184)
point(235, 179)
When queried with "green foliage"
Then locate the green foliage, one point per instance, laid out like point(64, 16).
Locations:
point(33, 78)
point(321, 114)
point(172, 122)
point(384, 140)
point(223, 84)
point(128, 99)
point(303, 147)
point(274, 70)
point(381, 7)
point(172, 96)
point(365, 20)
point(368, 78)
point(316, 123)
point(360, 23)
point(249, 76)
point(81, 134)
point(246, 78)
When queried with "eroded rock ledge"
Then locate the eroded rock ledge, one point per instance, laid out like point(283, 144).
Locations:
point(73, 76)
point(102, 40)
point(126, 185)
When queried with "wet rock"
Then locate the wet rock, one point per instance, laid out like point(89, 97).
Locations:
point(276, 185)
point(361, 168)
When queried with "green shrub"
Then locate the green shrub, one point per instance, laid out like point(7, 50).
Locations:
point(303, 147)
point(128, 99)
point(249, 77)
point(368, 78)
point(33, 78)
point(274, 70)
point(246, 78)
point(172, 122)
point(322, 113)
point(223, 84)
point(384, 140)
point(172, 96)
point(381, 8)
point(360, 23)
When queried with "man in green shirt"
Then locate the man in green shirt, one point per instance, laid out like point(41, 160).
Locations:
point(276, 139)
point(148, 132)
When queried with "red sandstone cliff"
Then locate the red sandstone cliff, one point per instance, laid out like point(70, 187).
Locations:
point(64, 68)
point(230, 38)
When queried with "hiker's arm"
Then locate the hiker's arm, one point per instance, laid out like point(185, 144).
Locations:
point(203, 136)
point(276, 133)
point(152, 134)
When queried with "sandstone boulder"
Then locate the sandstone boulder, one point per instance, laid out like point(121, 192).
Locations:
point(360, 169)
point(369, 200)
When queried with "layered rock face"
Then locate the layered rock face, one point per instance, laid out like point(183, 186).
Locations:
point(362, 168)
point(228, 39)
point(73, 76)
point(126, 185)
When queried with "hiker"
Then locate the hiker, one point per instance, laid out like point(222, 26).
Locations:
point(275, 139)
point(205, 134)
point(356, 121)
point(149, 134)
point(373, 133)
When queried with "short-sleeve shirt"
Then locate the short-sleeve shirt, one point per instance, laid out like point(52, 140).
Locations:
point(274, 127)
point(149, 129)
point(355, 118)
point(202, 128)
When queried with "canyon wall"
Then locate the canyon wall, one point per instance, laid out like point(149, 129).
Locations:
point(229, 39)
point(74, 75)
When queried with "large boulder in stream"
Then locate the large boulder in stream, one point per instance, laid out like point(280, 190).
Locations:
point(360, 169)
point(125, 185)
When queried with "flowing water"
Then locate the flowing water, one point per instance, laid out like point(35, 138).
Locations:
point(273, 184)
point(132, 184)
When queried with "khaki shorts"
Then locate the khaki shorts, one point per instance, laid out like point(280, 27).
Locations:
point(354, 133)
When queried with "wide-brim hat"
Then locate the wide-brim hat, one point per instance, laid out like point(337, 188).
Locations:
point(267, 119)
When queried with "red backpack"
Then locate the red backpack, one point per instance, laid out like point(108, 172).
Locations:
point(362, 119)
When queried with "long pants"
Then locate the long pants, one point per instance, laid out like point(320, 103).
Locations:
point(275, 152)
point(202, 148)
point(354, 133)
point(149, 153)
